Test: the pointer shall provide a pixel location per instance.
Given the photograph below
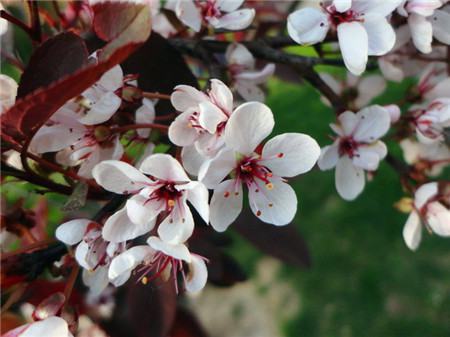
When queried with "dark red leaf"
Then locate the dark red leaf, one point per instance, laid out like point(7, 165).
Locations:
point(284, 243)
point(186, 325)
point(57, 57)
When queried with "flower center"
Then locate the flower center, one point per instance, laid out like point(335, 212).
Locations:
point(209, 9)
point(336, 18)
point(168, 193)
point(348, 146)
point(97, 247)
point(249, 171)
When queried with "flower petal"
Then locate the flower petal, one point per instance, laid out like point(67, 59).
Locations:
point(228, 5)
point(181, 131)
point(342, 5)
point(178, 226)
point(197, 195)
point(290, 154)
point(421, 32)
point(119, 177)
point(145, 114)
point(221, 95)
point(102, 110)
point(438, 217)
point(354, 44)
point(97, 280)
point(164, 166)
point(369, 87)
point(250, 91)
point(238, 54)
point(374, 123)
point(50, 327)
point(192, 159)
point(368, 157)
point(178, 251)
point(185, 97)
point(210, 116)
point(249, 124)
point(72, 232)
point(213, 171)
point(381, 35)
point(425, 193)
point(308, 26)
point(236, 20)
point(189, 14)
point(226, 204)
point(56, 137)
point(349, 179)
point(198, 275)
point(441, 26)
point(329, 157)
point(125, 262)
point(412, 231)
point(119, 228)
point(348, 121)
point(142, 211)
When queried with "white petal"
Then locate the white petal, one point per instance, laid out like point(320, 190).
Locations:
point(197, 276)
point(145, 114)
point(128, 260)
point(390, 70)
point(349, 179)
point(165, 167)
point(72, 232)
point(381, 35)
point(221, 95)
point(112, 79)
point(342, 5)
point(192, 159)
point(56, 137)
point(331, 81)
point(374, 123)
point(256, 76)
point(181, 131)
point(290, 154)
point(421, 32)
point(189, 14)
point(276, 206)
point(119, 228)
point(348, 122)
point(102, 110)
point(177, 251)
point(423, 7)
point(381, 7)
point(424, 193)
point(369, 87)
point(185, 97)
point(329, 157)
point(238, 54)
point(178, 226)
point(82, 255)
point(308, 26)
point(97, 280)
point(228, 5)
point(143, 211)
point(236, 20)
point(441, 26)
point(210, 116)
point(226, 204)
point(50, 327)
point(412, 231)
point(249, 124)
point(368, 157)
point(354, 44)
point(119, 177)
point(213, 171)
point(438, 217)
point(198, 196)
point(249, 91)
point(440, 90)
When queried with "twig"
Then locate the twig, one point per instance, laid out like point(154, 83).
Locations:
point(153, 95)
point(35, 22)
point(125, 128)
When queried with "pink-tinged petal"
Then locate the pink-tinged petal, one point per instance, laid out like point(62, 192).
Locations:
point(381, 7)
point(197, 276)
point(412, 231)
point(99, 154)
point(342, 5)
point(208, 145)
point(236, 20)
point(421, 32)
point(82, 255)
point(367, 157)
point(192, 160)
point(248, 126)
point(119, 228)
point(349, 179)
point(238, 54)
point(96, 280)
point(442, 89)
point(381, 35)
point(308, 26)
point(438, 217)
point(369, 87)
point(250, 91)
point(181, 131)
point(276, 205)
point(102, 110)
point(228, 5)
point(329, 157)
point(197, 195)
point(348, 122)
point(189, 14)
point(178, 226)
point(441, 26)
point(221, 95)
point(374, 123)
point(425, 193)
point(165, 167)
point(423, 7)
point(145, 114)
point(290, 154)
point(394, 112)
point(55, 138)
point(185, 97)
point(178, 251)
point(354, 45)
point(72, 232)
point(142, 211)
point(119, 177)
point(124, 263)
point(112, 79)
point(257, 76)
point(213, 171)
point(50, 327)
point(210, 116)
point(226, 204)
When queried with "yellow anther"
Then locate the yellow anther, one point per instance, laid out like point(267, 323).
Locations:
point(269, 186)
point(144, 280)
point(170, 202)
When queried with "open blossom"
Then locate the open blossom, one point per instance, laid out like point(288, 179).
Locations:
point(160, 259)
point(425, 20)
point(93, 253)
point(356, 148)
point(77, 129)
point(356, 91)
point(434, 82)
point(220, 14)
point(432, 121)
point(203, 117)
point(362, 28)
point(8, 92)
point(159, 187)
point(246, 79)
point(262, 170)
point(50, 327)
point(428, 211)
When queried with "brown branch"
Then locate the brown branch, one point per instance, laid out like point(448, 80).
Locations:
point(126, 128)
point(36, 33)
point(157, 95)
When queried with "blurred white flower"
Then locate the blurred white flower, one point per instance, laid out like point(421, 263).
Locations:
point(49, 327)
point(432, 121)
point(8, 92)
